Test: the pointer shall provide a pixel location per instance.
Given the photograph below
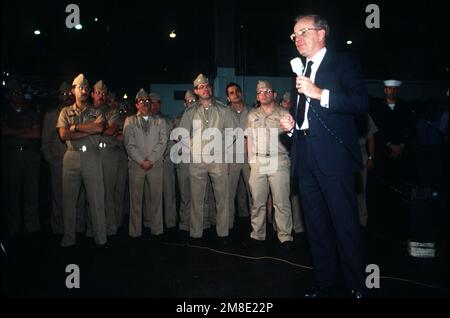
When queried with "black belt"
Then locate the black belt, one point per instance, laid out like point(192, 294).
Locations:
point(304, 132)
point(104, 145)
point(263, 154)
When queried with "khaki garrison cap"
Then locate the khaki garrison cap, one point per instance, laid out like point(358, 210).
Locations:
point(154, 97)
point(101, 86)
point(189, 95)
point(201, 79)
point(142, 94)
point(263, 85)
point(80, 80)
point(287, 96)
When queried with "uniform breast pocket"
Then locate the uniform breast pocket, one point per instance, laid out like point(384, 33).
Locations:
point(72, 119)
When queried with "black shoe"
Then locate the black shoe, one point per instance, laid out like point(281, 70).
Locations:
point(183, 237)
point(196, 241)
point(223, 241)
point(287, 246)
point(318, 292)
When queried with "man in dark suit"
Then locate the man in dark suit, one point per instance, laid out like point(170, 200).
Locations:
point(329, 94)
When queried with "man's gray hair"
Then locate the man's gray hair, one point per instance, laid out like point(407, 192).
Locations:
point(319, 22)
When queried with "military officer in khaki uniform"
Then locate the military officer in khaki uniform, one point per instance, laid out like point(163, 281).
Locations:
point(110, 151)
point(80, 125)
point(182, 169)
point(239, 170)
point(169, 197)
point(53, 150)
point(145, 140)
point(208, 161)
point(270, 165)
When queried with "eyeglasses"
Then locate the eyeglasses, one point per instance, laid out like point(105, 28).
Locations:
point(266, 92)
point(67, 94)
point(189, 101)
point(203, 86)
point(302, 32)
point(100, 93)
point(144, 101)
point(82, 88)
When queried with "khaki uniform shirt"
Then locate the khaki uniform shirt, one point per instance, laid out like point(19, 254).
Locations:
point(145, 140)
point(257, 118)
point(112, 116)
point(72, 115)
point(217, 116)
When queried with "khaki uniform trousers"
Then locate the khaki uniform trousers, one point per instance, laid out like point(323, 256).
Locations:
point(121, 187)
point(110, 163)
point(218, 173)
point(170, 203)
point(239, 172)
point(184, 187)
point(83, 168)
point(146, 197)
point(56, 218)
point(278, 180)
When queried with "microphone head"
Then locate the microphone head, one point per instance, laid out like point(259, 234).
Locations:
point(297, 66)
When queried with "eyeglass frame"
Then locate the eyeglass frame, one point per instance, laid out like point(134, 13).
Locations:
point(303, 32)
point(266, 92)
point(143, 101)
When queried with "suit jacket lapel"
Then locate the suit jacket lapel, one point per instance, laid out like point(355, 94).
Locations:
point(323, 68)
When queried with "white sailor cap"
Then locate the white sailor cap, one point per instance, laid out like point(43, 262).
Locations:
point(392, 83)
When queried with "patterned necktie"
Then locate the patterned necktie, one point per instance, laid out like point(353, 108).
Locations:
point(302, 100)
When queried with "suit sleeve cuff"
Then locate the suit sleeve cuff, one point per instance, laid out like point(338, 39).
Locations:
point(325, 98)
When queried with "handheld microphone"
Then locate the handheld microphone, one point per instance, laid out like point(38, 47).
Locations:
point(297, 66)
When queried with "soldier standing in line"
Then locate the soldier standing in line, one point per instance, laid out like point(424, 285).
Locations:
point(145, 141)
point(53, 150)
point(20, 131)
point(169, 197)
point(109, 152)
point(80, 125)
point(207, 113)
point(270, 166)
point(239, 171)
point(122, 169)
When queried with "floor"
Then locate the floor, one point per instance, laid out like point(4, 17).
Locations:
point(171, 268)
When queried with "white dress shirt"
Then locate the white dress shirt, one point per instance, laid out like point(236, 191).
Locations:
point(325, 98)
